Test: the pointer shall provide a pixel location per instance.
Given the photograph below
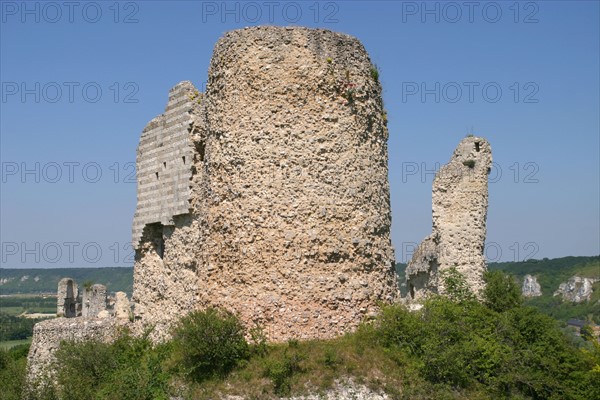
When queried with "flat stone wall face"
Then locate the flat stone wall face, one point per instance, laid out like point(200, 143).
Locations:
point(289, 221)
point(164, 162)
point(66, 296)
point(460, 202)
point(47, 336)
point(93, 301)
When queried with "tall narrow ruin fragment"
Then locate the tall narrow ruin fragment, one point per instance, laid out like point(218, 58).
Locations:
point(93, 301)
point(67, 305)
point(460, 201)
point(284, 213)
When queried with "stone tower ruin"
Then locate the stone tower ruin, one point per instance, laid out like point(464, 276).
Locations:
point(460, 202)
point(268, 194)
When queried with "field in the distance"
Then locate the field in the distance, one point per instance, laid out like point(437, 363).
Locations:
point(45, 280)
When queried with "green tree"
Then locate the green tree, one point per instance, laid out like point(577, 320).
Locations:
point(501, 292)
point(210, 343)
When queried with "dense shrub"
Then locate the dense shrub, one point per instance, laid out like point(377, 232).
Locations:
point(15, 328)
point(282, 370)
point(501, 292)
point(455, 347)
point(210, 343)
point(510, 350)
point(12, 372)
point(128, 369)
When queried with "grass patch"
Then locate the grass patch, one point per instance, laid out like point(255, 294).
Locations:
point(9, 344)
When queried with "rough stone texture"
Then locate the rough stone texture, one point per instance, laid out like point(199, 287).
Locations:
point(164, 163)
point(576, 289)
point(48, 334)
point(531, 287)
point(290, 215)
point(66, 303)
point(460, 201)
point(122, 307)
point(93, 301)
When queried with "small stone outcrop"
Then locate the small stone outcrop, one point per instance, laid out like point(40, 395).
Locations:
point(460, 202)
point(268, 194)
point(122, 306)
point(577, 289)
point(531, 287)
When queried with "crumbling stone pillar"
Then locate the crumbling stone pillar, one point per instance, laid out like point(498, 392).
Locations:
point(93, 301)
point(67, 294)
point(122, 306)
point(460, 202)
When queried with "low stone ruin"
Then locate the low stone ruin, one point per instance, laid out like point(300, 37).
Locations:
point(80, 317)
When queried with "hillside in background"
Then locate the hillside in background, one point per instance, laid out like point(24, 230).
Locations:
point(550, 274)
point(42, 280)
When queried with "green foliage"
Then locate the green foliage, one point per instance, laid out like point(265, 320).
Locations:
point(502, 292)
point(12, 372)
point(15, 328)
point(282, 370)
point(127, 369)
point(87, 285)
point(550, 273)
point(397, 327)
point(455, 347)
point(15, 305)
point(210, 343)
point(462, 344)
point(456, 287)
point(375, 73)
point(469, 163)
point(258, 341)
point(330, 358)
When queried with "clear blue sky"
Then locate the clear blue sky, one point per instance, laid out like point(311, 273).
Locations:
point(543, 127)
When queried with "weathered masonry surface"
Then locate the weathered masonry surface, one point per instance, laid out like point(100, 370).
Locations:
point(460, 202)
point(288, 219)
point(164, 163)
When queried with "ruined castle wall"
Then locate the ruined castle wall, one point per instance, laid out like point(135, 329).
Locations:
point(289, 213)
point(93, 301)
point(66, 298)
point(164, 162)
point(166, 232)
point(459, 201)
point(47, 336)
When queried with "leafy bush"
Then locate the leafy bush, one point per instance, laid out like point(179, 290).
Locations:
point(456, 287)
point(282, 370)
point(12, 372)
point(469, 163)
point(127, 369)
point(210, 343)
point(502, 292)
